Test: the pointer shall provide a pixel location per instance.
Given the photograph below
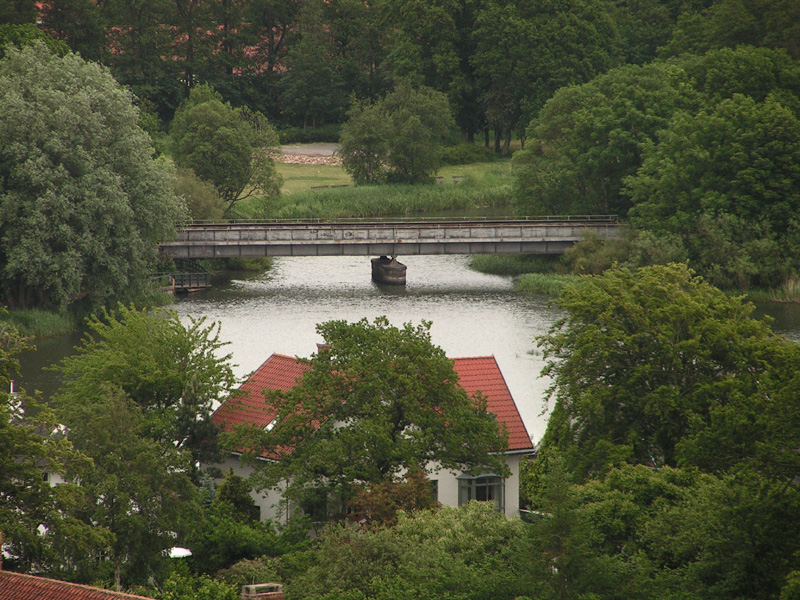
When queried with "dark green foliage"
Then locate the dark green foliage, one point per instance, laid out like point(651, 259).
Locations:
point(129, 468)
point(27, 34)
point(464, 154)
point(731, 23)
point(726, 181)
point(82, 202)
point(312, 90)
point(234, 491)
point(398, 138)
point(222, 537)
point(655, 366)
point(587, 139)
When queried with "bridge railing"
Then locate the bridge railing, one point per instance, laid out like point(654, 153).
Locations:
point(404, 220)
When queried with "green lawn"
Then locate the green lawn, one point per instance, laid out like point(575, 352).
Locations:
point(301, 178)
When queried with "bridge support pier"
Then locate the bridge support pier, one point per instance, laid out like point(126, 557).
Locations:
point(388, 270)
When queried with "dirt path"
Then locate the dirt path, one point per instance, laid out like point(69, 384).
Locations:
point(310, 154)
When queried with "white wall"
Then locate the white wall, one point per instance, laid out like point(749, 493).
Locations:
point(272, 506)
point(447, 486)
point(269, 502)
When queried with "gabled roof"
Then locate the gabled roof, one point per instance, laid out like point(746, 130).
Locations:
point(16, 586)
point(281, 372)
point(482, 374)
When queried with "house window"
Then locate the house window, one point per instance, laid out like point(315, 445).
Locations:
point(486, 488)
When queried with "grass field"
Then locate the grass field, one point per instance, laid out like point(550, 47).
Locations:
point(302, 178)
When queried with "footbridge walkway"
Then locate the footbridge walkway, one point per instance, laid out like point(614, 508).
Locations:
point(387, 237)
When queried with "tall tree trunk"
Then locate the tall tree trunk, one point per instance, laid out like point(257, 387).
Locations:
point(498, 135)
point(507, 143)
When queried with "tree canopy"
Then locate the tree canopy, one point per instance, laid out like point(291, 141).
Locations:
point(229, 148)
point(83, 204)
point(398, 138)
point(655, 366)
point(171, 371)
point(376, 401)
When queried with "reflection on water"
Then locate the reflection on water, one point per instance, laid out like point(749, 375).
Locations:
point(472, 315)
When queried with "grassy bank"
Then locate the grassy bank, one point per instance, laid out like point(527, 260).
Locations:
point(513, 264)
point(548, 284)
point(40, 323)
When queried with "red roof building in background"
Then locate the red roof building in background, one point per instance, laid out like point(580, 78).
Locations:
point(476, 374)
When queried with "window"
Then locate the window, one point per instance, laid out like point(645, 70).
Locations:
point(486, 488)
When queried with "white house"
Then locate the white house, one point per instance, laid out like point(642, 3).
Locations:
point(476, 374)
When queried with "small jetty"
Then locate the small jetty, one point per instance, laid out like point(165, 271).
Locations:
point(388, 270)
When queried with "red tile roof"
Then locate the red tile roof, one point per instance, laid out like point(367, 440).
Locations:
point(476, 374)
point(279, 372)
point(482, 374)
point(16, 586)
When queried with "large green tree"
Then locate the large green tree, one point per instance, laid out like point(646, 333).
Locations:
point(587, 138)
point(173, 372)
point(398, 138)
point(656, 366)
point(727, 181)
point(136, 487)
point(83, 204)
point(230, 148)
point(376, 401)
point(312, 87)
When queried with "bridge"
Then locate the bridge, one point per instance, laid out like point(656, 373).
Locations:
point(394, 237)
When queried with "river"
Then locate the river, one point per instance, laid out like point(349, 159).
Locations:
point(472, 314)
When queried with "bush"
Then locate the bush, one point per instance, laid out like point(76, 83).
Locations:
point(464, 154)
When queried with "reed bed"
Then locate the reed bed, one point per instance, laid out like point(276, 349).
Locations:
point(513, 264)
point(546, 284)
point(36, 322)
point(388, 200)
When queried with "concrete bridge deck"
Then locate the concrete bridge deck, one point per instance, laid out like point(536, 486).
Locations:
point(395, 237)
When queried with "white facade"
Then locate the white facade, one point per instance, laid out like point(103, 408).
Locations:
point(273, 507)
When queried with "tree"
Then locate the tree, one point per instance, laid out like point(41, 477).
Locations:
point(201, 197)
point(525, 51)
point(174, 373)
point(432, 42)
point(406, 147)
point(376, 401)
point(655, 366)
point(364, 142)
point(588, 138)
point(728, 174)
point(26, 35)
point(312, 88)
point(137, 488)
point(83, 204)
point(33, 523)
point(472, 552)
point(227, 147)
point(78, 24)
